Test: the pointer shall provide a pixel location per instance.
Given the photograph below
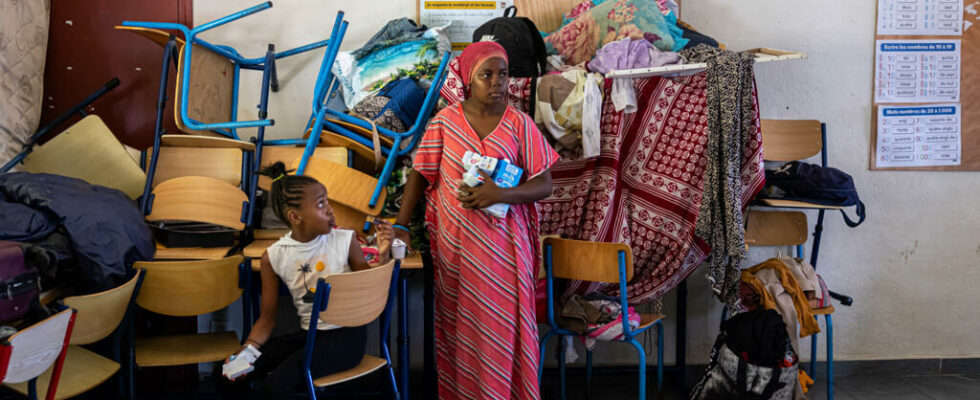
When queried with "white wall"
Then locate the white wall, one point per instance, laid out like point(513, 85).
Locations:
point(912, 267)
point(289, 24)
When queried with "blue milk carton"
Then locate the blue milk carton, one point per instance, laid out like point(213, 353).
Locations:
point(503, 172)
point(507, 175)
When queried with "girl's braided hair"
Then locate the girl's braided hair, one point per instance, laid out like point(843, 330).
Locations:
point(286, 190)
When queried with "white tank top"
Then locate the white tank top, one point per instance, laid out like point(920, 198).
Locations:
point(299, 265)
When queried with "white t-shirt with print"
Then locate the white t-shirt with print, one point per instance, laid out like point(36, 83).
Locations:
point(299, 265)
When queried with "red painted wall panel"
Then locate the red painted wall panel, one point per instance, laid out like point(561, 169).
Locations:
point(84, 52)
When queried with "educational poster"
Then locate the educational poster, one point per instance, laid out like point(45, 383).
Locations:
point(920, 17)
point(917, 71)
point(919, 136)
point(463, 17)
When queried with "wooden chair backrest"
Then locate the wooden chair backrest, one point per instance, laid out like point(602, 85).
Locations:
point(99, 314)
point(775, 228)
point(36, 348)
point(286, 154)
point(212, 85)
point(546, 14)
point(791, 140)
point(188, 288)
point(224, 164)
point(349, 218)
point(345, 185)
point(89, 151)
point(357, 298)
point(365, 156)
point(212, 82)
point(154, 35)
point(588, 261)
point(199, 199)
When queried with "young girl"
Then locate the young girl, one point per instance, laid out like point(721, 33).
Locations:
point(312, 249)
point(486, 337)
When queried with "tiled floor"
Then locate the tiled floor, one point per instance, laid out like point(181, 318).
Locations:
point(933, 387)
point(623, 387)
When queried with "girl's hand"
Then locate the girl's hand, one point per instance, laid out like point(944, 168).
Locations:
point(228, 360)
point(482, 196)
point(384, 235)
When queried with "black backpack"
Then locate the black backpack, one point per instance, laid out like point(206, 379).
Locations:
point(816, 184)
point(520, 38)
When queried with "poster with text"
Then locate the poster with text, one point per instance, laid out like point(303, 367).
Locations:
point(920, 17)
point(463, 17)
point(917, 71)
point(919, 136)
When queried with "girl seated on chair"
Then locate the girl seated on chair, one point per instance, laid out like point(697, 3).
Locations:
point(312, 249)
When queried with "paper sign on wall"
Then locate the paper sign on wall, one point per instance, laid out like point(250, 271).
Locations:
point(920, 17)
point(917, 71)
point(918, 136)
point(463, 17)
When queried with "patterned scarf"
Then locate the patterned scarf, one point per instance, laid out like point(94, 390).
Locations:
point(731, 116)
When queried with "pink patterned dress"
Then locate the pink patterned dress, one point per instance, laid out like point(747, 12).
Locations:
point(486, 337)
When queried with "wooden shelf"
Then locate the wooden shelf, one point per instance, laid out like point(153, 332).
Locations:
point(762, 55)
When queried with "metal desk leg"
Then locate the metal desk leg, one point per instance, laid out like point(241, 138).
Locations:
point(680, 349)
point(431, 390)
point(404, 363)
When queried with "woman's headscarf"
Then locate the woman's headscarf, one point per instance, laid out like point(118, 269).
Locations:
point(475, 54)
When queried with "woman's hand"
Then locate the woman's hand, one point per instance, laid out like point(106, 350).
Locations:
point(404, 236)
point(482, 196)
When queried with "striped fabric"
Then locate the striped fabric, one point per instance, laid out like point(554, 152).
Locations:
point(486, 337)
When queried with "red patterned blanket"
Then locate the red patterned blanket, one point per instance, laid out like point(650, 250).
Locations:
point(645, 187)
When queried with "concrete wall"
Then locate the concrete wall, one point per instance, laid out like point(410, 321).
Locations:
point(911, 267)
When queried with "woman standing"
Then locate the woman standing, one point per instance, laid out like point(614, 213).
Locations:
point(485, 267)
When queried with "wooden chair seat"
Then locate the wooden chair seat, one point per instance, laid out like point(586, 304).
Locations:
point(47, 296)
point(83, 371)
point(254, 251)
point(775, 228)
point(205, 141)
point(190, 253)
point(256, 248)
point(224, 164)
point(345, 185)
point(791, 140)
point(185, 349)
point(796, 204)
point(155, 35)
point(199, 199)
point(412, 261)
point(648, 319)
point(286, 154)
point(269, 234)
point(368, 365)
point(89, 151)
point(211, 89)
point(333, 139)
point(366, 133)
point(824, 311)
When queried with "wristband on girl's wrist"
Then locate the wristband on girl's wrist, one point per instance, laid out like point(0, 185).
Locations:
point(254, 341)
point(402, 227)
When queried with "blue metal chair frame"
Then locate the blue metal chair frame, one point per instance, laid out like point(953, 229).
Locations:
point(325, 85)
point(321, 299)
point(266, 64)
point(629, 333)
point(244, 282)
point(845, 300)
